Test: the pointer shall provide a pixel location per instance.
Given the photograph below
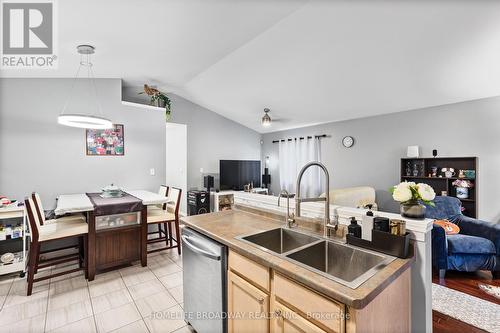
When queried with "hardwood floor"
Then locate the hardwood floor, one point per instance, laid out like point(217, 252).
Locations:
point(442, 323)
point(467, 283)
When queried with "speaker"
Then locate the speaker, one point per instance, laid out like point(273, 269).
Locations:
point(208, 182)
point(198, 202)
point(266, 177)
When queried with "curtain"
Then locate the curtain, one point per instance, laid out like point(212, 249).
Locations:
point(293, 155)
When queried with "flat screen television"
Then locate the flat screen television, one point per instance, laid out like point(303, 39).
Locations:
point(234, 174)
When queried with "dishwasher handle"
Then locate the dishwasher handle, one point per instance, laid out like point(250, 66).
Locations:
point(195, 249)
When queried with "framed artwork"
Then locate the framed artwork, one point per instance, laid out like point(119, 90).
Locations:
point(107, 142)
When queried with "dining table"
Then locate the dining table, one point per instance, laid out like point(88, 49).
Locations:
point(117, 226)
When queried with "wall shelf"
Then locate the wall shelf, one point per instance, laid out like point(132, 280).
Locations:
point(143, 106)
point(438, 178)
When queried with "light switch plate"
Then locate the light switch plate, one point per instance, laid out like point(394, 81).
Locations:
point(152, 172)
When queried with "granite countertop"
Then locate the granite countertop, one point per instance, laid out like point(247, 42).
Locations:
point(225, 226)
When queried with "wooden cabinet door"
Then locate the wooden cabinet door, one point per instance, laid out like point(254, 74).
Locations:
point(284, 320)
point(114, 247)
point(248, 307)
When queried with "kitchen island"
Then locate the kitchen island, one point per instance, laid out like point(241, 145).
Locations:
point(298, 298)
point(420, 236)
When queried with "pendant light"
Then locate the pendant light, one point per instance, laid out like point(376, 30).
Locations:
point(266, 120)
point(90, 120)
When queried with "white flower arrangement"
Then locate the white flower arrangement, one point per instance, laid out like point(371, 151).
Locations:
point(412, 193)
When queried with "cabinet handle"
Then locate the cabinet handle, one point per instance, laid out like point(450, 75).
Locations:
point(277, 313)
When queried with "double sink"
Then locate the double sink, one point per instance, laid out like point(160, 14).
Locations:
point(345, 264)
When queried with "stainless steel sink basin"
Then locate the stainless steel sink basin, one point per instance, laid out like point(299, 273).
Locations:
point(343, 263)
point(279, 240)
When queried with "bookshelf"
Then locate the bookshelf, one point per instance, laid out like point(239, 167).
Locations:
point(419, 169)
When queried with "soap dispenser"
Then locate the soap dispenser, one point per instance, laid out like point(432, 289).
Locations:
point(354, 229)
point(367, 224)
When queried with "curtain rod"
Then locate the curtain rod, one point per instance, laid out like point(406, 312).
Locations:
point(301, 138)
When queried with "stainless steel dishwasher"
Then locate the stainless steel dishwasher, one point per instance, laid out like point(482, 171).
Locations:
point(205, 282)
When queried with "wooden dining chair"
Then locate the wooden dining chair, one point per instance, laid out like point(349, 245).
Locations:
point(48, 233)
point(168, 216)
point(41, 213)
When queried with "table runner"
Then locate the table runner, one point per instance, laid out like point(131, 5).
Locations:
point(109, 206)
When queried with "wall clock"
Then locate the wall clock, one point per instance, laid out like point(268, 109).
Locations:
point(348, 141)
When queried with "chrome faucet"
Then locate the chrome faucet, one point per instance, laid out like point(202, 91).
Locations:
point(326, 199)
point(290, 220)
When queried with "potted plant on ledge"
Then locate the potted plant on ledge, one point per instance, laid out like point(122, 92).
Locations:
point(158, 99)
point(463, 186)
point(413, 198)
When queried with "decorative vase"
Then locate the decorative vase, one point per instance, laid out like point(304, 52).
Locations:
point(415, 171)
point(408, 169)
point(462, 192)
point(434, 171)
point(413, 210)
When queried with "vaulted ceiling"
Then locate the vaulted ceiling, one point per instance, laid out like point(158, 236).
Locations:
point(308, 61)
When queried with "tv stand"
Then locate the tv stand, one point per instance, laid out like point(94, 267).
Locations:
point(224, 200)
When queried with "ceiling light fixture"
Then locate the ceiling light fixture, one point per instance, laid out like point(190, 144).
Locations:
point(266, 120)
point(85, 120)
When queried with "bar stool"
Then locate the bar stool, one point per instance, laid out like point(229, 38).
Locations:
point(169, 217)
point(44, 221)
point(42, 234)
point(163, 191)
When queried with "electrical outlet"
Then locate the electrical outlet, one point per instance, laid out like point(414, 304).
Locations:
point(152, 172)
point(201, 170)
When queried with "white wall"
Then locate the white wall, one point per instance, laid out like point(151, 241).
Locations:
point(462, 129)
point(211, 137)
point(37, 154)
point(176, 159)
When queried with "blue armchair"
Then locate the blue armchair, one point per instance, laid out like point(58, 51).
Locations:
point(476, 247)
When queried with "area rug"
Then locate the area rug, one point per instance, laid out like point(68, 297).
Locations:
point(469, 309)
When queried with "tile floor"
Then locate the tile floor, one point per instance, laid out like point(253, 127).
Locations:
point(131, 299)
